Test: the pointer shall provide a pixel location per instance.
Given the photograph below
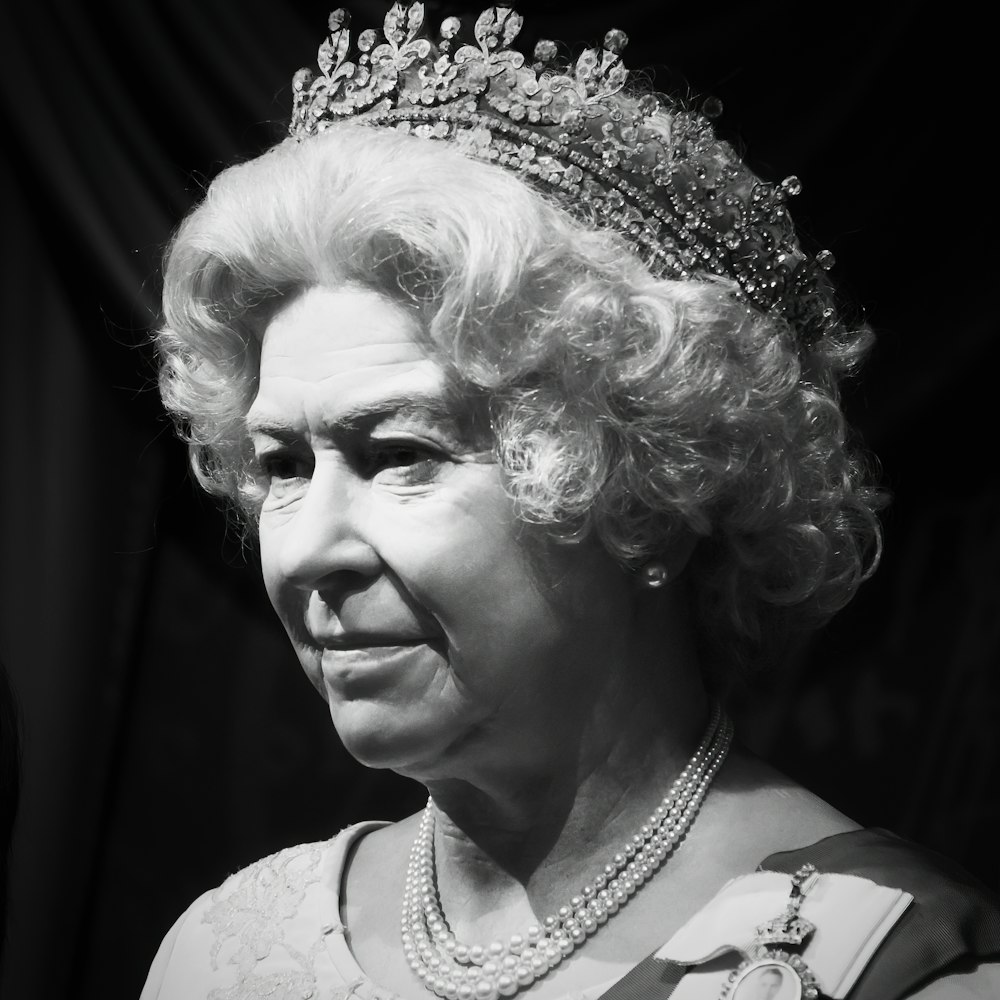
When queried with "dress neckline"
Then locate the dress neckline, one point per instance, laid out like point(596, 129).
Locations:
point(339, 948)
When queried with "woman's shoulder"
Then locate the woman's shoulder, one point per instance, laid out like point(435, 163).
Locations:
point(277, 885)
point(269, 919)
point(946, 934)
point(772, 812)
point(948, 937)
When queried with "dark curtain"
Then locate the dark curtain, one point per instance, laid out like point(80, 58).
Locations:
point(169, 738)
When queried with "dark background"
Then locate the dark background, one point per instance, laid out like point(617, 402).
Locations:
point(170, 738)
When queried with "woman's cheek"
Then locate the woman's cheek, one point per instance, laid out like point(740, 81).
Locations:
point(269, 530)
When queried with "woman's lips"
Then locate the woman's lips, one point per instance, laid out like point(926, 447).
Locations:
point(353, 669)
point(358, 640)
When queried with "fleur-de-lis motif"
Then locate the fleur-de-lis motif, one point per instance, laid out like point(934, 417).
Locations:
point(402, 47)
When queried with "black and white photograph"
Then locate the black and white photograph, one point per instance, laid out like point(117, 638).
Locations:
point(498, 501)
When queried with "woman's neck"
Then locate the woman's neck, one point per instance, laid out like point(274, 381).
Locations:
point(515, 844)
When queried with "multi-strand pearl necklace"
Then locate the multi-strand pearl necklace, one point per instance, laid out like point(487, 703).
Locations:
point(456, 971)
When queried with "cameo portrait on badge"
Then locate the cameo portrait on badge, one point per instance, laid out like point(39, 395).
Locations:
point(766, 980)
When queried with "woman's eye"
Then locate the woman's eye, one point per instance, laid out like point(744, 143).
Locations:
point(281, 468)
point(393, 455)
point(404, 461)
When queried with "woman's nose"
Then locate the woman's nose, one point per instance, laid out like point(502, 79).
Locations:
point(324, 542)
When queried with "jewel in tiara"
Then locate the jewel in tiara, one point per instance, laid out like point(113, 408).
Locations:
point(680, 199)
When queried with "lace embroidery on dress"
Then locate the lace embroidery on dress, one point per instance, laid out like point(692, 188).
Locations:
point(249, 915)
point(252, 916)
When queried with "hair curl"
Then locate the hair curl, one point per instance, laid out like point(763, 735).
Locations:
point(624, 405)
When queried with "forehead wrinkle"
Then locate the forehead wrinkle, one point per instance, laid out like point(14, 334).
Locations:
point(296, 376)
point(348, 351)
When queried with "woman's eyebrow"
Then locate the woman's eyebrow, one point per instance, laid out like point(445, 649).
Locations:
point(423, 404)
point(265, 425)
point(361, 414)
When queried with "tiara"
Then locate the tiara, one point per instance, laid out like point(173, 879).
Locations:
point(675, 191)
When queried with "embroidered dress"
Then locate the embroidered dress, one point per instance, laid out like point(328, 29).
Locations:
point(272, 931)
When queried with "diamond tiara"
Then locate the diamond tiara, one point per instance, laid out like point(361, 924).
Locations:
point(668, 184)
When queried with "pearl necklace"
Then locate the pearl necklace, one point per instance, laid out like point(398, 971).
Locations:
point(456, 971)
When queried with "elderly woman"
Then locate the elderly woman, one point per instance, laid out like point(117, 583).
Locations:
point(531, 395)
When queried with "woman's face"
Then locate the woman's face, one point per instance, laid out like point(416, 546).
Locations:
point(437, 626)
point(768, 984)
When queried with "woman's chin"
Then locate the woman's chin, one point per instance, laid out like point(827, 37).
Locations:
point(382, 739)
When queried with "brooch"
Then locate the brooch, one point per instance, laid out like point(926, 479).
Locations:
point(772, 969)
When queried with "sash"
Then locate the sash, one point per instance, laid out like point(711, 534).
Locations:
point(742, 944)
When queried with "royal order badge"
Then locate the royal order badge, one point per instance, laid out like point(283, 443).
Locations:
point(773, 969)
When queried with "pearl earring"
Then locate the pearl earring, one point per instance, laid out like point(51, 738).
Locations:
point(653, 575)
